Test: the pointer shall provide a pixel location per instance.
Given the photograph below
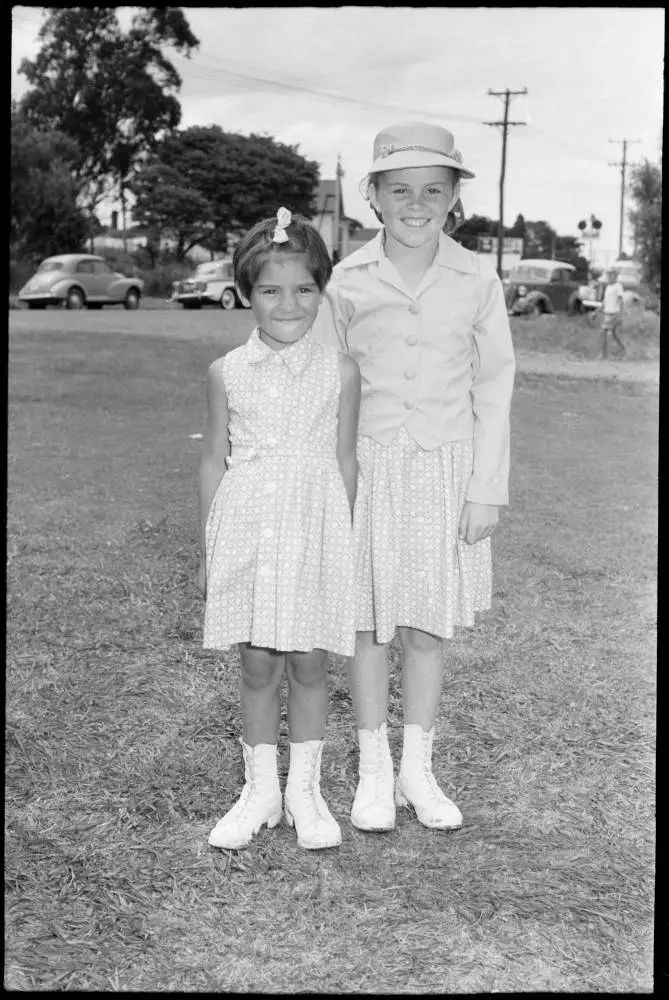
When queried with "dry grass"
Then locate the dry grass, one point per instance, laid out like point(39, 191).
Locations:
point(580, 336)
point(122, 732)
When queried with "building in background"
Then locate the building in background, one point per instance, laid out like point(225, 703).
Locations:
point(329, 209)
point(512, 251)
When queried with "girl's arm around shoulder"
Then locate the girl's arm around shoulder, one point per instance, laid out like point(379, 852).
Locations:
point(215, 450)
point(347, 429)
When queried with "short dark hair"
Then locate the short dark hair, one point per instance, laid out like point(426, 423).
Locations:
point(256, 247)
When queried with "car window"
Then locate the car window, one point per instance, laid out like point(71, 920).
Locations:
point(99, 267)
point(227, 271)
point(50, 265)
point(85, 267)
point(529, 273)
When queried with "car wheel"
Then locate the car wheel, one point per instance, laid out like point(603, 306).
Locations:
point(131, 300)
point(228, 299)
point(75, 299)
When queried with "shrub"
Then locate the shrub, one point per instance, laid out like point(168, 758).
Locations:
point(20, 270)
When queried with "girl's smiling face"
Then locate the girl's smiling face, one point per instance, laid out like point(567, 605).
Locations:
point(414, 203)
point(285, 300)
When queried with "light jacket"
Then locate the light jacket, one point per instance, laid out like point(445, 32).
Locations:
point(438, 361)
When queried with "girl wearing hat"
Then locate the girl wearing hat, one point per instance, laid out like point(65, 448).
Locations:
point(427, 323)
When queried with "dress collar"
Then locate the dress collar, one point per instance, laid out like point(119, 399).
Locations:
point(295, 357)
point(450, 254)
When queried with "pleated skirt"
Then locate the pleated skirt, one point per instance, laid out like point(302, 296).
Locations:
point(412, 569)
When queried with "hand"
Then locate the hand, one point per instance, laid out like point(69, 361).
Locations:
point(478, 520)
point(202, 578)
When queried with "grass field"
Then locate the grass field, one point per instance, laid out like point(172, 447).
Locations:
point(121, 732)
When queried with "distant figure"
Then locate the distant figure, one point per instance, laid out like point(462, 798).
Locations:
point(278, 480)
point(612, 311)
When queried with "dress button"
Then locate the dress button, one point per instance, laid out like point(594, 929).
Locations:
point(413, 308)
point(267, 533)
point(410, 373)
point(265, 571)
point(409, 404)
point(271, 441)
point(273, 392)
point(411, 340)
point(269, 488)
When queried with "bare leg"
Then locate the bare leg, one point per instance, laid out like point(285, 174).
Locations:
point(605, 342)
point(262, 670)
point(368, 680)
point(307, 695)
point(422, 673)
point(618, 340)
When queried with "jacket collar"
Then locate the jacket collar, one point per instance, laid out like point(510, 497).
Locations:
point(450, 254)
point(296, 357)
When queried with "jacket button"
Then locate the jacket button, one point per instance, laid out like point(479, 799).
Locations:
point(410, 373)
point(413, 308)
point(411, 340)
point(409, 404)
point(273, 392)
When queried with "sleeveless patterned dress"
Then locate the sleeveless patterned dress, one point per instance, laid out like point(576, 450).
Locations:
point(279, 539)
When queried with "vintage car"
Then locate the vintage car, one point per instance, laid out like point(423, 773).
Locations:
point(212, 284)
point(79, 280)
point(542, 286)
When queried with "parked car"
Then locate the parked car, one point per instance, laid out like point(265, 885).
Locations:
point(542, 286)
point(212, 284)
point(77, 280)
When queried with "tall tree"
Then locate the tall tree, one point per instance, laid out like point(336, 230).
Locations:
point(44, 217)
point(112, 92)
point(646, 218)
point(228, 182)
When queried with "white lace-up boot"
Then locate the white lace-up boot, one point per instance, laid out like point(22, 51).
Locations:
point(304, 805)
point(416, 785)
point(259, 803)
point(373, 806)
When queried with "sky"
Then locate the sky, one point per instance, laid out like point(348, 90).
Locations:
point(327, 79)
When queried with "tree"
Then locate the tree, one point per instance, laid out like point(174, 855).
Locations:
point(473, 227)
point(646, 218)
point(227, 183)
point(44, 217)
point(111, 92)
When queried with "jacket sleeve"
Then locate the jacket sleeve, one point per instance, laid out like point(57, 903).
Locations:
point(331, 323)
point(491, 392)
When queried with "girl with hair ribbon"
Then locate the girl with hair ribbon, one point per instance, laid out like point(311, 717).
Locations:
point(277, 485)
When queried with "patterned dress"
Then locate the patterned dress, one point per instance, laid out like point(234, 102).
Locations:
point(280, 547)
point(412, 569)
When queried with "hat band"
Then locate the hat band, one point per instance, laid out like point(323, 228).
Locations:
point(388, 149)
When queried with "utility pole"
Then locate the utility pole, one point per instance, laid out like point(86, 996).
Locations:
point(336, 247)
point(622, 165)
point(507, 95)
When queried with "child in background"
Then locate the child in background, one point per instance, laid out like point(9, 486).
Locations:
point(612, 311)
point(427, 323)
point(277, 486)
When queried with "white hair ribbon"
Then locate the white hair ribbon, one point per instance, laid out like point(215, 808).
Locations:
point(283, 220)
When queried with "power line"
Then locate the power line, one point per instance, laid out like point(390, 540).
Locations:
point(623, 166)
point(507, 95)
point(237, 78)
